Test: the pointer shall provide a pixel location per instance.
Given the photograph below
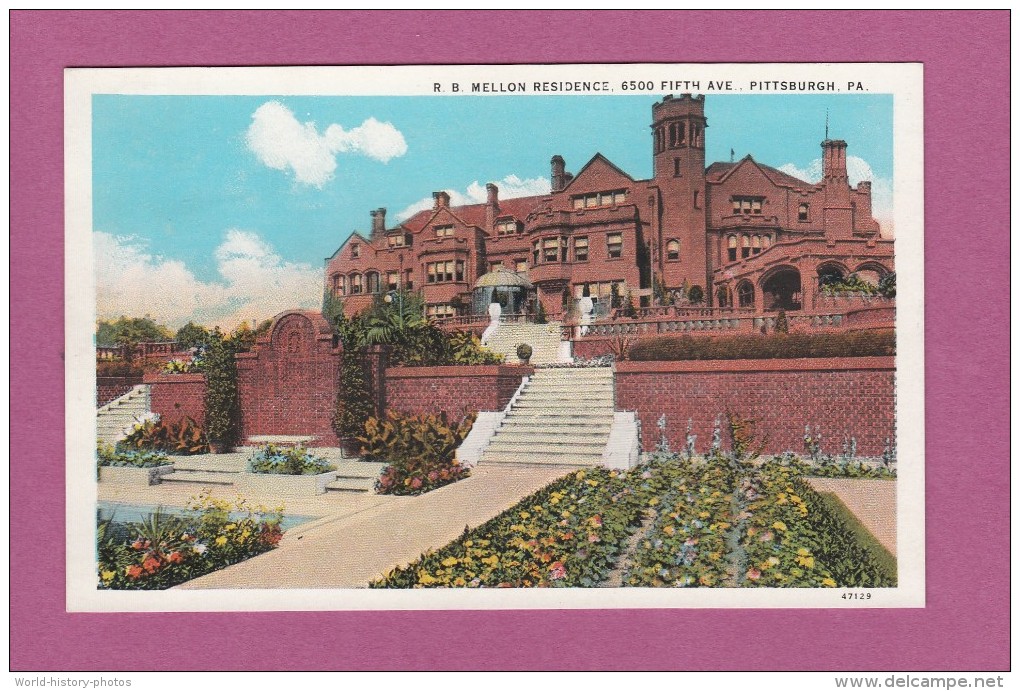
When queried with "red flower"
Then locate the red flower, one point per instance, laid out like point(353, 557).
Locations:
point(134, 572)
point(416, 483)
point(150, 564)
point(175, 558)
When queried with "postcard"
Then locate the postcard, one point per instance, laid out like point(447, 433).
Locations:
point(495, 337)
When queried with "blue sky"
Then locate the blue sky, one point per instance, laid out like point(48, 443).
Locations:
point(221, 208)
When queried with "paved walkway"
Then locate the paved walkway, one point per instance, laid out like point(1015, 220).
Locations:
point(351, 548)
point(872, 501)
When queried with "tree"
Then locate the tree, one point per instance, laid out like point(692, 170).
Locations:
point(192, 335)
point(128, 332)
point(354, 403)
point(695, 294)
point(541, 317)
point(629, 310)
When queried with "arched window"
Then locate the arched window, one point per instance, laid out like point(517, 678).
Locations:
point(372, 278)
point(357, 284)
point(673, 249)
point(722, 297)
point(731, 248)
point(336, 284)
point(745, 294)
point(802, 212)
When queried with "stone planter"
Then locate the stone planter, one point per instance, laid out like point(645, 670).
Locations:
point(284, 485)
point(120, 475)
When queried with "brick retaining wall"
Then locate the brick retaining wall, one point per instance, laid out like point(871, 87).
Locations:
point(854, 396)
point(453, 390)
point(176, 396)
point(110, 388)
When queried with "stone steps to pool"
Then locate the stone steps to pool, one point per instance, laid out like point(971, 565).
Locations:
point(117, 419)
point(199, 477)
point(356, 476)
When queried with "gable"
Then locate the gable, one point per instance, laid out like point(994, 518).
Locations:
point(355, 236)
point(747, 177)
point(598, 175)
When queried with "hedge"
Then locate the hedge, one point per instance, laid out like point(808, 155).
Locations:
point(772, 346)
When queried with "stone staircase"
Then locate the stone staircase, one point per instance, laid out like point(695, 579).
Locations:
point(544, 340)
point(563, 417)
point(116, 419)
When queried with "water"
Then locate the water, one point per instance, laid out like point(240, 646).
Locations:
point(134, 513)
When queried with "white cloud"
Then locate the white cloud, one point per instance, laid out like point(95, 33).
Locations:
point(509, 187)
point(256, 283)
point(282, 142)
point(857, 169)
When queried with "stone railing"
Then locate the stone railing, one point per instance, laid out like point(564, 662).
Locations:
point(734, 322)
point(142, 350)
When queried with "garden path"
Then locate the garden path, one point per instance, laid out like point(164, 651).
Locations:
point(872, 501)
point(353, 549)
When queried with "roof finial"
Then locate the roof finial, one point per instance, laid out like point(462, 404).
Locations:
point(826, 124)
point(731, 154)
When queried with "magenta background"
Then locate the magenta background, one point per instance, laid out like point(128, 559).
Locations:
point(963, 627)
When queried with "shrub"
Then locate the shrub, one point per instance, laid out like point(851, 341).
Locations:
point(540, 316)
point(468, 350)
point(524, 351)
point(118, 368)
point(771, 346)
point(887, 285)
point(354, 404)
point(184, 437)
point(222, 402)
point(274, 460)
point(850, 284)
point(421, 451)
point(165, 550)
point(696, 295)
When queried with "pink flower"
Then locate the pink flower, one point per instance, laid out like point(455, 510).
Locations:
point(766, 537)
point(416, 483)
point(592, 537)
point(753, 574)
point(557, 571)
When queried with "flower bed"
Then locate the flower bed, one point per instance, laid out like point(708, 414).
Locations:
point(286, 472)
point(163, 551)
point(570, 533)
point(131, 467)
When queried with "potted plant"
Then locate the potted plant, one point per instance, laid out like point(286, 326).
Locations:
point(524, 353)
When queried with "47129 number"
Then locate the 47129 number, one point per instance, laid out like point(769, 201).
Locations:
point(856, 596)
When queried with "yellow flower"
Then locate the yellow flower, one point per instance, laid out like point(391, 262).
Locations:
point(491, 561)
point(828, 583)
point(231, 526)
point(779, 525)
point(795, 499)
point(460, 582)
point(449, 561)
point(426, 579)
point(469, 543)
point(704, 514)
point(538, 509)
point(653, 501)
point(565, 514)
point(809, 562)
point(108, 575)
point(803, 552)
point(669, 530)
point(525, 515)
point(591, 483)
point(715, 556)
point(221, 540)
point(580, 475)
point(774, 561)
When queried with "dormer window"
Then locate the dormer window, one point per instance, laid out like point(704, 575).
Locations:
point(743, 206)
point(507, 227)
point(444, 231)
point(596, 199)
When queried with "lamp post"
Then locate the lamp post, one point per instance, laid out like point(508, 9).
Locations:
point(400, 302)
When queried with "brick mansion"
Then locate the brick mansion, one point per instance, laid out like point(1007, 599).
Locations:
point(736, 235)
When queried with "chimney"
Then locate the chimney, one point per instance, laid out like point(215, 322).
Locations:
point(558, 177)
point(834, 160)
point(491, 205)
point(378, 222)
point(442, 200)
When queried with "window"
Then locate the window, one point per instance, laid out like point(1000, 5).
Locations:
point(683, 132)
point(766, 241)
point(581, 249)
point(396, 240)
point(673, 249)
point(495, 266)
point(596, 199)
point(756, 244)
point(745, 246)
point(392, 280)
point(731, 248)
point(356, 284)
point(745, 294)
point(603, 290)
point(676, 167)
point(444, 272)
point(550, 249)
point(337, 284)
point(802, 212)
point(355, 251)
point(696, 200)
point(372, 278)
point(521, 264)
point(506, 227)
point(614, 245)
point(534, 252)
point(747, 205)
point(444, 231)
point(441, 311)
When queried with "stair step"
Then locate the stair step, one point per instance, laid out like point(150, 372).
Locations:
point(566, 424)
point(542, 449)
point(554, 415)
point(564, 407)
point(349, 484)
point(574, 440)
point(568, 397)
point(199, 477)
point(533, 460)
